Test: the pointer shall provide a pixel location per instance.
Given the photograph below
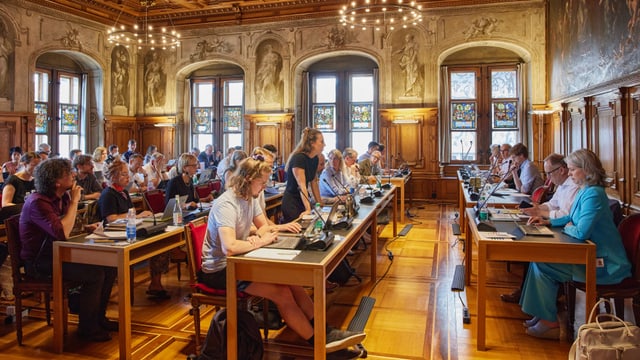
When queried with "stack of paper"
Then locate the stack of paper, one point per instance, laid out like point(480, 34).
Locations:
point(495, 235)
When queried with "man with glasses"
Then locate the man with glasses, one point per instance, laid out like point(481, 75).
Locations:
point(370, 168)
point(558, 206)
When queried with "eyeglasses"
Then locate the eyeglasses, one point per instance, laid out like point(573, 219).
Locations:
point(552, 171)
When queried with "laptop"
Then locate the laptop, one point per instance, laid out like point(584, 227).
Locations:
point(535, 230)
point(205, 175)
point(287, 241)
point(168, 211)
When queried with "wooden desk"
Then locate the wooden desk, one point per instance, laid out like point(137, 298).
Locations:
point(559, 249)
point(309, 268)
point(80, 250)
point(400, 183)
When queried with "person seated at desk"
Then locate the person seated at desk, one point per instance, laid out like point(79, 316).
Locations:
point(155, 170)
point(591, 219)
point(352, 172)
point(228, 234)
point(137, 176)
point(49, 215)
point(182, 184)
point(526, 176)
point(21, 183)
point(114, 203)
point(370, 168)
point(236, 157)
point(332, 179)
point(85, 178)
point(558, 206)
point(12, 166)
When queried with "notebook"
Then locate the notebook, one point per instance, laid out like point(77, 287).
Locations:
point(287, 241)
point(168, 211)
point(535, 230)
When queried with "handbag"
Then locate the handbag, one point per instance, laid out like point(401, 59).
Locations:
point(603, 340)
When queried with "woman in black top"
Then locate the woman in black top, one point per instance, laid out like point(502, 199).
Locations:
point(21, 183)
point(182, 184)
point(301, 170)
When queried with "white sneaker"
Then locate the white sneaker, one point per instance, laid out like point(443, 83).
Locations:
point(342, 339)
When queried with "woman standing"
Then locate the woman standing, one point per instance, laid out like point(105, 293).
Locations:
point(301, 171)
point(21, 183)
point(590, 219)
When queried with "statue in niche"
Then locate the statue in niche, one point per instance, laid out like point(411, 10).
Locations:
point(6, 49)
point(268, 82)
point(155, 79)
point(120, 77)
point(408, 62)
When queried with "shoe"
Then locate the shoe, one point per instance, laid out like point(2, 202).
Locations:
point(158, 295)
point(542, 331)
point(531, 322)
point(109, 325)
point(345, 354)
point(99, 335)
point(514, 297)
point(342, 339)
point(330, 286)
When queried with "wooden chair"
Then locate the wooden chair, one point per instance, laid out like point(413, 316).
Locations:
point(25, 284)
point(629, 229)
point(155, 199)
point(203, 190)
point(202, 294)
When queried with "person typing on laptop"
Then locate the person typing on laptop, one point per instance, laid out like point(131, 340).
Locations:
point(229, 233)
point(182, 184)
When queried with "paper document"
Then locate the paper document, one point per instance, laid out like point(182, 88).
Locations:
point(100, 233)
point(275, 254)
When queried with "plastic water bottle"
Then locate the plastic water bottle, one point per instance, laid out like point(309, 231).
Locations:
point(131, 225)
point(177, 212)
point(484, 212)
point(317, 227)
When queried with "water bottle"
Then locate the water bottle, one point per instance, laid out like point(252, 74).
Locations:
point(378, 182)
point(131, 225)
point(177, 212)
point(484, 212)
point(317, 227)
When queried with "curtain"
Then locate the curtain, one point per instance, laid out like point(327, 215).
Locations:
point(444, 128)
point(305, 119)
point(525, 115)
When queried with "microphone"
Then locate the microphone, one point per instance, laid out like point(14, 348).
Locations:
point(320, 241)
point(330, 188)
point(487, 225)
point(468, 150)
point(353, 209)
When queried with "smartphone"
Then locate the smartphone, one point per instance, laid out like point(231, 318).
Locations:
point(524, 205)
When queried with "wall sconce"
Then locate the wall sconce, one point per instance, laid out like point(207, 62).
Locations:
point(164, 125)
point(405, 121)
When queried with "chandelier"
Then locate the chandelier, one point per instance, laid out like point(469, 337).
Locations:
point(144, 36)
point(380, 14)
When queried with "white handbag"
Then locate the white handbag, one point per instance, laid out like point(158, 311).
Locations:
point(602, 340)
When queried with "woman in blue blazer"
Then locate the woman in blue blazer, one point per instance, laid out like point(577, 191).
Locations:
point(590, 219)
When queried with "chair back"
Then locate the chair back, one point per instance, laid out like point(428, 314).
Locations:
point(629, 230)
point(195, 233)
point(216, 185)
point(203, 190)
point(12, 225)
point(155, 199)
point(616, 210)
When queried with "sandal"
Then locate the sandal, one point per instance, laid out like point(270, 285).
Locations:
point(158, 294)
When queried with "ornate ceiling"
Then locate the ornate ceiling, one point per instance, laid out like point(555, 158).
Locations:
point(196, 13)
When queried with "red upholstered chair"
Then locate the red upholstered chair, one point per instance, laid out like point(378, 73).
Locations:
point(155, 199)
point(629, 229)
point(25, 284)
point(543, 193)
point(202, 294)
point(216, 185)
point(203, 190)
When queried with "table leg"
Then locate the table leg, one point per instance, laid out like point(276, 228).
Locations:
point(395, 213)
point(374, 245)
point(590, 281)
point(124, 306)
point(468, 254)
point(58, 302)
point(481, 298)
point(319, 315)
point(232, 312)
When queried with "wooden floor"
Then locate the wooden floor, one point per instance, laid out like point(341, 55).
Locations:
point(416, 316)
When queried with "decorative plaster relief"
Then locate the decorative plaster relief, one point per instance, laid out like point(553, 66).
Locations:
point(215, 46)
point(484, 26)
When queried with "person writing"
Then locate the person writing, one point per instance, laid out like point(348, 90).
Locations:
point(229, 233)
point(590, 218)
point(49, 215)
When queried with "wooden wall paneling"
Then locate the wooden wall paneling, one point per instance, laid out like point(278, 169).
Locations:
point(118, 130)
point(631, 115)
point(159, 131)
point(275, 129)
point(605, 142)
point(543, 138)
point(557, 130)
point(16, 129)
point(9, 137)
point(577, 126)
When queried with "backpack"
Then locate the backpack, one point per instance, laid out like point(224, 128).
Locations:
point(249, 340)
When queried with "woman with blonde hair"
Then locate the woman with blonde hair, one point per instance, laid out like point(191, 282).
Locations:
point(182, 184)
point(301, 171)
point(332, 179)
point(99, 158)
point(20, 183)
point(236, 157)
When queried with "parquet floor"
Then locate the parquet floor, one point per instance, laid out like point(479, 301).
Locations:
point(416, 316)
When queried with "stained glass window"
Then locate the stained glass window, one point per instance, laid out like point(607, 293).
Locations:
point(324, 117)
point(361, 116)
point(232, 118)
point(42, 117)
point(463, 85)
point(201, 120)
point(69, 123)
point(463, 115)
point(505, 115)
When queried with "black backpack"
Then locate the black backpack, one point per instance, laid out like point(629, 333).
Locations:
point(249, 340)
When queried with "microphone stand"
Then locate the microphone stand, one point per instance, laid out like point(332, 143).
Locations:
point(320, 241)
point(353, 209)
point(156, 228)
point(487, 225)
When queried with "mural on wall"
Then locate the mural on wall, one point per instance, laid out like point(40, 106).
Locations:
point(155, 79)
point(6, 51)
point(406, 60)
point(120, 77)
point(269, 85)
point(591, 42)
